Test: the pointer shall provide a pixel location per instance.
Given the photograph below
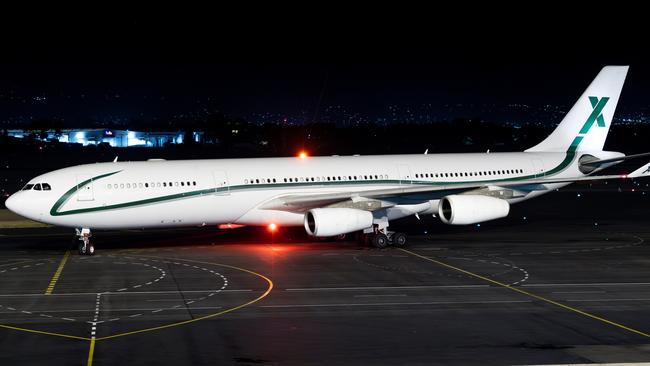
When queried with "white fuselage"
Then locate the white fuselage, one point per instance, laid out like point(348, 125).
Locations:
point(208, 192)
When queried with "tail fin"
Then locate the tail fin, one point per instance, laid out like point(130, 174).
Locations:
point(586, 125)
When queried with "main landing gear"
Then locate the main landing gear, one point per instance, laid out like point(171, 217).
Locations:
point(383, 238)
point(85, 246)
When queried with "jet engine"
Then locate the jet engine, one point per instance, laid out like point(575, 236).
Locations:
point(336, 221)
point(471, 209)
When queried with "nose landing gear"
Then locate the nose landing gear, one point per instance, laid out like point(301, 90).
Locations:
point(85, 246)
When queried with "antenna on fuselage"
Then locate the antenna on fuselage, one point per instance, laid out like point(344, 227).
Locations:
point(115, 160)
point(426, 151)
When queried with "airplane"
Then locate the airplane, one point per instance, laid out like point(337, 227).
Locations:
point(335, 195)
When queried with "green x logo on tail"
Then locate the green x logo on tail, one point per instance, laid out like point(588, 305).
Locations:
point(596, 114)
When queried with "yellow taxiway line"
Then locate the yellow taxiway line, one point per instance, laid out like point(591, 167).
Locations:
point(57, 274)
point(91, 352)
point(4, 326)
point(529, 294)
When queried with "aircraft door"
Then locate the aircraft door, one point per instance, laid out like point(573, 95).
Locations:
point(404, 174)
point(538, 168)
point(221, 186)
point(85, 192)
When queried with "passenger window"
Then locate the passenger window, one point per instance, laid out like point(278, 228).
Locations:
point(109, 186)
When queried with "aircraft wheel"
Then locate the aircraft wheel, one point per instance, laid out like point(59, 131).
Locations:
point(91, 250)
point(380, 241)
point(399, 240)
point(82, 249)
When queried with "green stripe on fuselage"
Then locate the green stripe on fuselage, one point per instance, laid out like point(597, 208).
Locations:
point(569, 157)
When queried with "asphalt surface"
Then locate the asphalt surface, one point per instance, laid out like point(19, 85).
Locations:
point(564, 279)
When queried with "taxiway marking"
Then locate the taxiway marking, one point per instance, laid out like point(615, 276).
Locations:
point(384, 288)
point(57, 274)
point(398, 303)
point(209, 316)
point(91, 351)
point(529, 294)
point(175, 292)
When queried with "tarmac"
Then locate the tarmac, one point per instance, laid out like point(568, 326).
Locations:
point(563, 280)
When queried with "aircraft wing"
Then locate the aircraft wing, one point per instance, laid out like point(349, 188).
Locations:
point(427, 191)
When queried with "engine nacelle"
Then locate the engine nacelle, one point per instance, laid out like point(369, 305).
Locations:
point(336, 221)
point(471, 209)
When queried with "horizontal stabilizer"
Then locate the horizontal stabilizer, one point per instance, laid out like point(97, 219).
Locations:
point(614, 160)
point(643, 171)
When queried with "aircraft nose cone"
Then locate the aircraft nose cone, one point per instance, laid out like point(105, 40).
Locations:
point(12, 203)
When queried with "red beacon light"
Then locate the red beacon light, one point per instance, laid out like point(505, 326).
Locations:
point(272, 227)
point(303, 154)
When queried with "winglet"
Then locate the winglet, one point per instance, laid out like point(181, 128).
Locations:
point(641, 172)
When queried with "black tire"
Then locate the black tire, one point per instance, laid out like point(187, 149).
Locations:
point(399, 240)
point(380, 241)
point(81, 249)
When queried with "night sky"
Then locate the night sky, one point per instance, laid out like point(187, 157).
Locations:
point(132, 66)
point(242, 89)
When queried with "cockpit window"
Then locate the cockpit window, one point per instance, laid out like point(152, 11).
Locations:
point(46, 187)
point(28, 187)
point(37, 187)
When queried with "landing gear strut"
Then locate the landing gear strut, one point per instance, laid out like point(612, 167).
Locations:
point(85, 246)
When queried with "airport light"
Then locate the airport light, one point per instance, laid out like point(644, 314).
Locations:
point(230, 226)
